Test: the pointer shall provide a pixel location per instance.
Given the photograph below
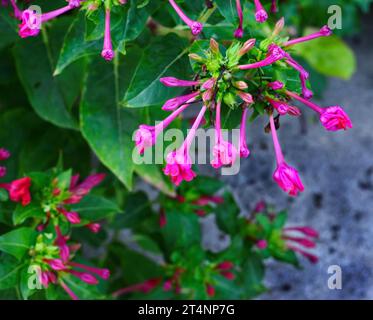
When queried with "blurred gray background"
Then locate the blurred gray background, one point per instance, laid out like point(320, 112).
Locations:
point(337, 171)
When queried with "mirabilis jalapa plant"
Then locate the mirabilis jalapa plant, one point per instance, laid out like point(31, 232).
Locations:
point(241, 78)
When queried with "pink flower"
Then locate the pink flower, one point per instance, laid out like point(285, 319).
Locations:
point(19, 190)
point(246, 97)
point(2, 171)
point(17, 12)
point(262, 244)
point(308, 231)
point(174, 82)
point(74, 3)
point(174, 103)
point(225, 265)
point(244, 150)
point(56, 264)
point(195, 26)
point(332, 118)
point(78, 191)
point(239, 31)
point(146, 136)
point(274, 7)
point(162, 218)
point(210, 290)
point(4, 154)
point(224, 153)
point(285, 176)
point(31, 24)
point(107, 52)
point(260, 14)
point(72, 217)
point(179, 164)
point(228, 275)
point(85, 277)
point(275, 53)
point(102, 273)
point(261, 206)
point(144, 287)
point(94, 227)
point(61, 243)
point(283, 108)
point(335, 118)
point(275, 85)
point(324, 32)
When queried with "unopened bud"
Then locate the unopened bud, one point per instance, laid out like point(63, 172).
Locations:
point(195, 57)
point(279, 26)
point(242, 85)
point(214, 46)
point(247, 46)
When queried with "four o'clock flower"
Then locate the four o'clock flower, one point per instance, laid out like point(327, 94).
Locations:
point(61, 243)
point(195, 26)
point(179, 164)
point(260, 14)
point(19, 190)
point(146, 136)
point(285, 176)
point(332, 118)
point(274, 7)
point(244, 150)
point(224, 152)
point(174, 103)
point(17, 12)
point(79, 190)
point(275, 85)
point(174, 82)
point(324, 32)
point(239, 31)
point(107, 51)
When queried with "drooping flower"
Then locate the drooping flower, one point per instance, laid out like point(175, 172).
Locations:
point(284, 108)
point(78, 191)
point(239, 31)
point(19, 190)
point(285, 176)
point(143, 287)
point(332, 118)
point(210, 290)
point(244, 150)
point(174, 82)
point(275, 53)
point(107, 51)
point(260, 14)
point(274, 7)
point(195, 26)
point(224, 152)
point(179, 164)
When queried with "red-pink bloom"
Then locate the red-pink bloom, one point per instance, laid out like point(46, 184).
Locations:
point(285, 176)
point(94, 227)
point(174, 82)
point(179, 164)
point(225, 265)
point(205, 200)
point(56, 264)
point(311, 257)
point(146, 136)
point(224, 153)
point(228, 275)
point(78, 191)
point(19, 190)
point(195, 26)
point(275, 85)
point(324, 32)
point(71, 216)
point(4, 154)
point(239, 31)
point(61, 243)
point(308, 231)
point(107, 51)
point(144, 287)
point(260, 206)
point(85, 277)
point(162, 218)
point(244, 150)
point(210, 290)
point(2, 171)
point(260, 14)
point(274, 7)
point(275, 53)
point(332, 118)
point(283, 108)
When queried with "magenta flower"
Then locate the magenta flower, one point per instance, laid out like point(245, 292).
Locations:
point(324, 32)
point(102, 273)
point(239, 31)
point(174, 103)
point(146, 136)
point(179, 164)
point(260, 14)
point(144, 287)
point(78, 191)
point(107, 51)
point(17, 12)
point(19, 190)
point(174, 82)
point(93, 227)
point(308, 231)
point(244, 150)
point(61, 243)
point(2, 171)
point(31, 20)
point(195, 26)
point(55, 264)
point(275, 53)
point(246, 97)
point(262, 244)
point(276, 85)
point(224, 153)
point(283, 108)
point(274, 7)
point(332, 118)
point(285, 176)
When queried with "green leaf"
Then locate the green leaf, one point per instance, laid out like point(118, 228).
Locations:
point(9, 271)
point(165, 56)
point(18, 242)
point(43, 91)
point(94, 208)
point(252, 276)
point(330, 56)
point(227, 215)
point(264, 222)
point(280, 220)
point(22, 213)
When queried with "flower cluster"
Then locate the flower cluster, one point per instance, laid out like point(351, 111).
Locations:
point(31, 20)
point(241, 80)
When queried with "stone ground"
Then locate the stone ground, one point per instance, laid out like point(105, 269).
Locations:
point(337, 170)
